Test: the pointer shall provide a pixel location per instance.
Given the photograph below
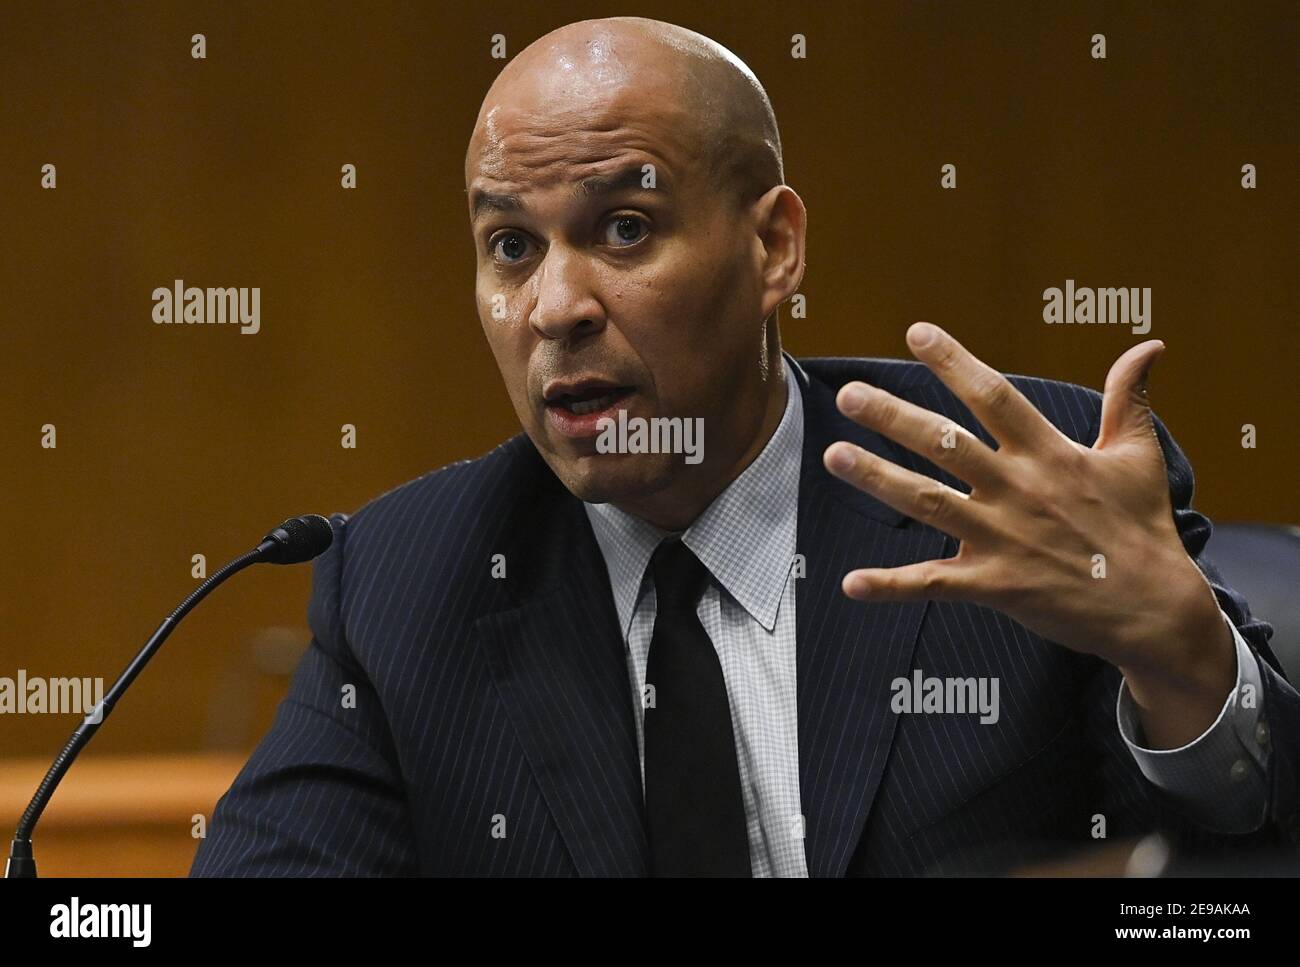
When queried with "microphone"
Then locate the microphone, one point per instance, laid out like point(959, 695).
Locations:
point(298, 539)
point(295, 540)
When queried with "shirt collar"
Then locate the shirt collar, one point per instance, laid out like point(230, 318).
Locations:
point(746, 537)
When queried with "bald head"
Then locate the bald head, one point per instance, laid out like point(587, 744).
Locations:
point(623, 67)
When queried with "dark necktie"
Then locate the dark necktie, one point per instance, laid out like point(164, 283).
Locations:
point(695, 814)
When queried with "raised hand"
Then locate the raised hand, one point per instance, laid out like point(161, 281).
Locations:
point(1076, 543)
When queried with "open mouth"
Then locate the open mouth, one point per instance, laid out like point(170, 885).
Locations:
point(590, 400)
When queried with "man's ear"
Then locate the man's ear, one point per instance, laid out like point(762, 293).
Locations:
point(781, 222)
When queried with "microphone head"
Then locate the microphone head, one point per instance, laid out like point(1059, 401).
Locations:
point(296, 540)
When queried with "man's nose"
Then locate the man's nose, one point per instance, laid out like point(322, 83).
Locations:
point(566, 305)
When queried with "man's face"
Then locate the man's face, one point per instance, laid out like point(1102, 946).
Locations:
point(598, 294)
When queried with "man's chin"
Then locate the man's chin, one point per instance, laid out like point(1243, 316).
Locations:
point(613, 478)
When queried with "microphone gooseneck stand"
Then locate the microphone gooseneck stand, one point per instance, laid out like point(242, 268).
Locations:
point(295, 540)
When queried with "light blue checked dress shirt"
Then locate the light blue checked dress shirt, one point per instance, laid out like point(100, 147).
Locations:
point(746, 539)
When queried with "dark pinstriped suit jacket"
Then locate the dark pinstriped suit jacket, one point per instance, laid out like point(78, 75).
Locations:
point(487, 706)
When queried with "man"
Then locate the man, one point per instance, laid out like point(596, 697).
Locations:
point(583, 654)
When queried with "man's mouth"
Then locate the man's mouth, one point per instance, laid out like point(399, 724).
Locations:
point(576, 407)
point(585, 395)
point(588, 402)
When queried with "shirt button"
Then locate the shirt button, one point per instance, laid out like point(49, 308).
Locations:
point(1239, 770)
point(1261, 733)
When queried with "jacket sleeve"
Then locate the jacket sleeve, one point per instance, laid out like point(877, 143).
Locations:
point(322, 794)
point(1278, 831)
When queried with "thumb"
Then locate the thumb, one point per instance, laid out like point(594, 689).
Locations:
point(1125, 411)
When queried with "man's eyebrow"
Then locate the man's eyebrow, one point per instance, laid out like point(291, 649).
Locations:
point(481, 201)
point(631, 176)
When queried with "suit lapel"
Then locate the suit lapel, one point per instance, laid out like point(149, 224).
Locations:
point(848, 652)
point(558, 662)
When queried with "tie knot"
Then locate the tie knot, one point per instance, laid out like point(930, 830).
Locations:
point(680, 577)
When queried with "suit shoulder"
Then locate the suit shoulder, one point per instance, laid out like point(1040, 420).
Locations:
point(452, 510)
point(1073, 409)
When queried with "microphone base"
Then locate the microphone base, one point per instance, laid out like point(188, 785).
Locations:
point(21, 865)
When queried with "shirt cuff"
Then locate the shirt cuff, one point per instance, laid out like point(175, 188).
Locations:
point(1220, 778)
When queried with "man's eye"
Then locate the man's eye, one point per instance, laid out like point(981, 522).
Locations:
point(511, 246)
point(624, 230)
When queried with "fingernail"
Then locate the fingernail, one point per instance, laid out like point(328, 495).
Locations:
point(922, 334)
point(839, 458)
point(853, 396)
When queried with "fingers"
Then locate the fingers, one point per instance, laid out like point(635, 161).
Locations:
point(1124, 406)
point(937, 438)
point(1006, 414)
point(942, 580)
point(913, 494)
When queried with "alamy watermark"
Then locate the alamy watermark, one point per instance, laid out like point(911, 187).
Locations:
point(946, 695)
point(34, 695)
point(211, 306)
point(659, 434)
point(75, 920)
point(1087, 306)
